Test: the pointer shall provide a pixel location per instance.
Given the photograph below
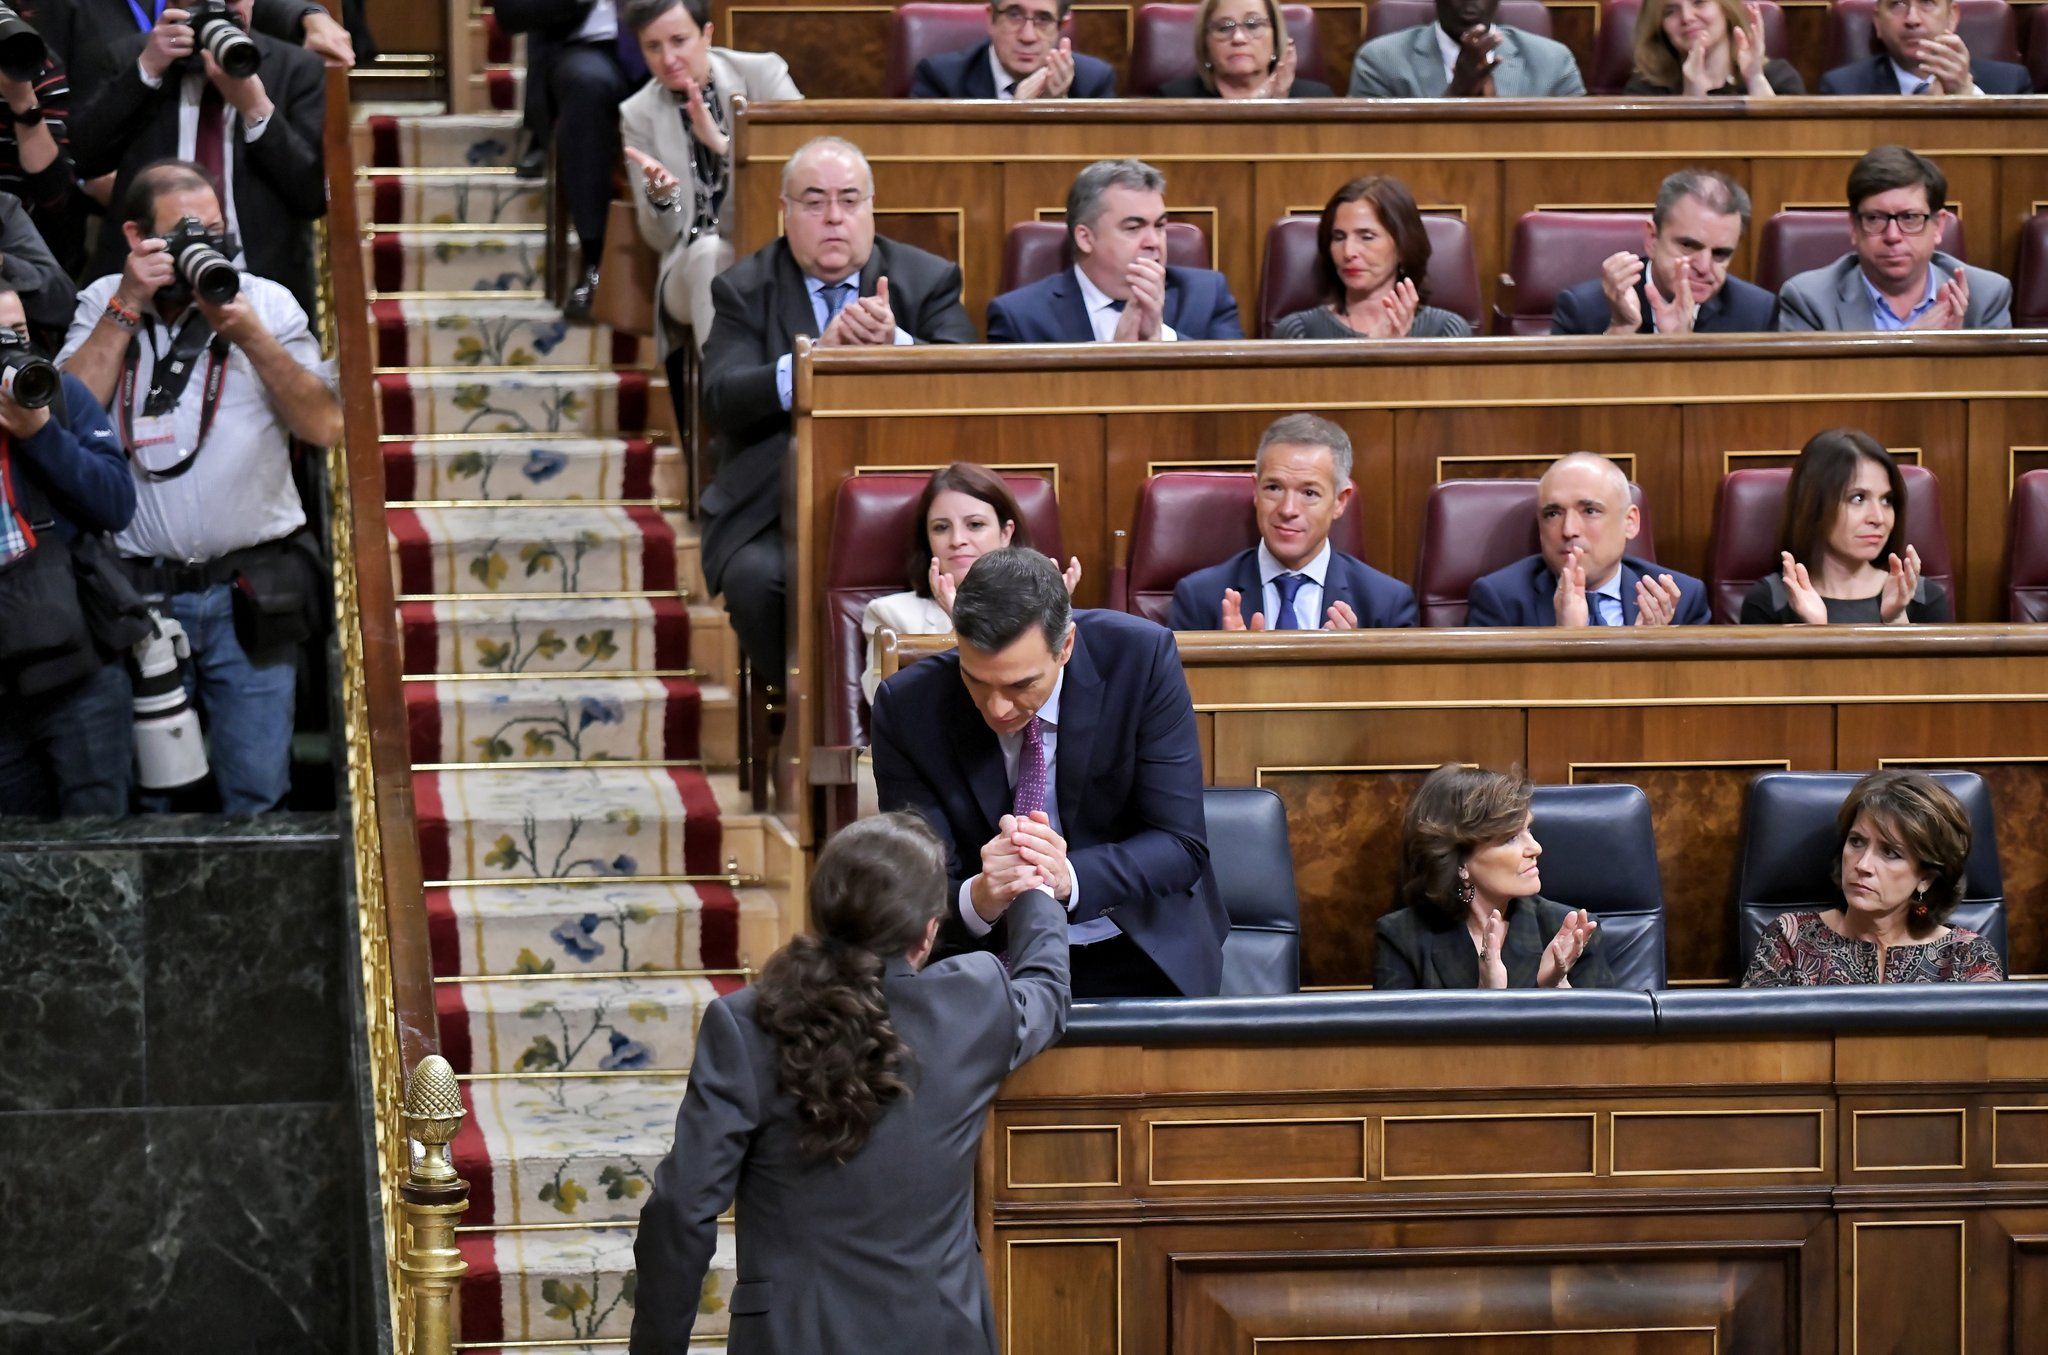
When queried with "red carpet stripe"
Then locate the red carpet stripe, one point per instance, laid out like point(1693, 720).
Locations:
point(401, 471)
point(632, 402)
point(421, 636)
point(703, 839)
point(384, 147)
point(503, 89)
point(415, 550)
point(444, 932)
point(657, 549)
point(454, 1022)
point(482, 1296)
point(393, 343)
point(681, 717)
point(394, 392)
point(637, 481)
point(432, 818)
point(423, 722)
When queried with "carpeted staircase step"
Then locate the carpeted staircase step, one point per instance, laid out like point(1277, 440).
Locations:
point(564, 1150)
point(554, 719)
point(459, 141)
point(579, 634)
point(573, 1285)
point(484, 198)
point(501, 823)
point(550, 468)
point(496, 260)
point(493, 332)
point(499, 87)
point(556, 549)
point(599, 927)
point(515, 404)
point(572, 1024)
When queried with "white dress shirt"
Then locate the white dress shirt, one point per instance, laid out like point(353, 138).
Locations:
point(600, 25)
point(1308, 599)
point(1079, 933)
point(1611, 591)
point(785, 366)
point(1006, 83)
point(189, 92)
point(1103, 313)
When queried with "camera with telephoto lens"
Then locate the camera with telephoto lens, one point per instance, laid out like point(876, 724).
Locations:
point(202, 266)
point(170, 750)
point(215, 29)
point(22, 51)
point(25, 378)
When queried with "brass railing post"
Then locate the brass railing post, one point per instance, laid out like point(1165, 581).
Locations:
point(434, 1201)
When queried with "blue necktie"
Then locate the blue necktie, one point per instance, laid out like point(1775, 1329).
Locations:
point(1289, 585)
point(1606, 610)
point(836, 296)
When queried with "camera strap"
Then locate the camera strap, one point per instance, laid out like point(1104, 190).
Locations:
point(146, 19)
point(169, 376)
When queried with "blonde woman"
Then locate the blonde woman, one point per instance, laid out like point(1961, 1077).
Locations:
point(1242, 51)
point(1707, 47)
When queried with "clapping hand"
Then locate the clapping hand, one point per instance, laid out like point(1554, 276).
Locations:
point(1472, 73)
point(703, 126)
point(1945, 61)
point(1493, 934)
point(1071, 575)
point(1279, 82)
point(1004, 873)
point(1564, 950)
point(1394, 316)
point(1692, 73)
point(943, 588)
point(1233, 613)
point(1657, 599)
point(1053, 79)
point(1570, 598)
point(1676, 315)
point(1901, 581)
point(1951, 304)
point(863, 323)
point(1800, 593)
point(1340, 617)
point(1619, 274)
point(1145, 313)
point(1746, 51)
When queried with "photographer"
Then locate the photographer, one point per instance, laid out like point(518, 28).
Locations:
point(256, 136)
point(84, 33)
point(66, 737)
point(28, 268)
point(207, 396)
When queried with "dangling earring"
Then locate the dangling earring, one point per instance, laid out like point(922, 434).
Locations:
point(1920, 904)
point(1464, 889)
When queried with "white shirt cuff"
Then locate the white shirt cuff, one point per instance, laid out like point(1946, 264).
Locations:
point(785, 379)
point(1166, 333)
point(903, 339)
point(154, 82)
point(252, 130)
point(1074, 893)
point(976, 926)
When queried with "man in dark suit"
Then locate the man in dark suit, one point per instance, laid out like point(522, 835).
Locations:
point(257, 137)
point(828, 278)
point(84, 34)
point(1683, 287)
point(1583, 576)
point(1024, 58)
point(1120, 289)
point(1058, 747)
point(1923, 54)
point(1294, 579)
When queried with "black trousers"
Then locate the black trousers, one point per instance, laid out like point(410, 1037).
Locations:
point(753, 585)
point(586, 84)
point(1116, 967)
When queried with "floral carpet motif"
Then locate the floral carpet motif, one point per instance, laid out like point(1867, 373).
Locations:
point(448, 260)
point(580, 634)
point(486, 198)
point(532, 550)
point(510, 469)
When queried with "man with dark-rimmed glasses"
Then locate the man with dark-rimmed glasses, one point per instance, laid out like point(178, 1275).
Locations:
point(1024, 58)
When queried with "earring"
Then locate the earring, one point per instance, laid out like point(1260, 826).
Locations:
point(1464, 889)
point(1920, 902)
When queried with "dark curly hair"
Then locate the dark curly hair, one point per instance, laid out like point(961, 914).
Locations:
point(1456, 811)
point(1922, 816)
point(877, 886)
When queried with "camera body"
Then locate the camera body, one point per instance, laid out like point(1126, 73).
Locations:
point(215, 29)
point(26, 377)
point(200, 257)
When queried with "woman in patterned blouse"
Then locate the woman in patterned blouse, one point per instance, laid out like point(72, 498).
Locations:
point(1904, 842)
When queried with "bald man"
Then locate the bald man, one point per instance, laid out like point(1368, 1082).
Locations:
point(1584, 575)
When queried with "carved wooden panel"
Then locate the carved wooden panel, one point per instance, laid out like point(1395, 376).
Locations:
point(1045, 1157)
point(1065, 1296)
point(1719, 1143)
point(1906, 1285)
point(1921, 1139)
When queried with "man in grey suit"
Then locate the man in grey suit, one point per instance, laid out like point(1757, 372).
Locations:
point(1464, 55)
point(1896, 276)
point(853, 1182)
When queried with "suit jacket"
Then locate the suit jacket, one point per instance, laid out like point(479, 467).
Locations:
point(1738, 308)
point(1875, 76)
point(1409, 65)
point(1052, 310)
point(1128, 780)
point(1378, 599)
point(760, 306)
point(1834, 298)
point(879, 1252)
point(1191, 87)
point(1416, 949)
point(1524, 594)
point(90, 44)
point(966, 75)
point(48, 295)
point(279, 180)
point(651, 122)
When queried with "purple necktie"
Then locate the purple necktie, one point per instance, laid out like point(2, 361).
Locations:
point(1031, 770)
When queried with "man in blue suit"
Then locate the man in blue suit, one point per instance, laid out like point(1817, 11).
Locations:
point(1121, 288)
point(1584, 575)
point(1056, 749)
point(1923, 54)
point(1683, 287)
point(1294, 579)
point(1024, 58)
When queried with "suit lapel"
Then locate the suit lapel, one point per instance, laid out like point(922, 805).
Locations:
point(979, 756)
point(1545, 586)
point(1337, 588)
point(726, 77)
point(1456, 959)
point(1068, 303)
point(1251, 589)
point(871, 270)
point(1628, 594)
point(793, 306)
point(1426, 64)
point(1170, 312)
point(979, 82)
point(1080, 714)
point(1849, 292)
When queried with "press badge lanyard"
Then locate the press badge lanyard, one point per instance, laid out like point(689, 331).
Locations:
point(169, 375)
point(144, 19)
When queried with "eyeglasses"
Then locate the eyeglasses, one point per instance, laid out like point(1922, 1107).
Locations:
point(1016, 16)
point(1226, 29)
point(1909, 223)
point(1924, 6)
point(815, 203)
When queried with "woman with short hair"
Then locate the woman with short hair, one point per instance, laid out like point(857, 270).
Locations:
point(1372, 270)
point(1242, 51)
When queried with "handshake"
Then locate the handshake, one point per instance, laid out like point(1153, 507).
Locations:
point(1025, 854)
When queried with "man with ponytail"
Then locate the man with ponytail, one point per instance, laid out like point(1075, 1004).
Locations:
point(839, 1103)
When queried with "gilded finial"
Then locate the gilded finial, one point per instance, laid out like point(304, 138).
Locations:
point(433, 1115)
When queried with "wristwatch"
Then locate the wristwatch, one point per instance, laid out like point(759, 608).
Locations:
point(30, 116)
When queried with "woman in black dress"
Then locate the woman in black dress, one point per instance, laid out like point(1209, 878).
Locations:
point(1242, 52)
point(1706, 47)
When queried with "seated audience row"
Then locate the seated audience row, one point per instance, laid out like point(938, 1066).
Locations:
point(1472, 912)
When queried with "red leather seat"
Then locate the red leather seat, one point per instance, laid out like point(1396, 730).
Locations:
point(1163, 45)
point(1987, 28)
point(1793, 242)
point(1287, 282)
point(871, 521)
point(2026, 550)
point(1189, 520)
point(1614, 56)
point(1391, 16)
point(1472, 527)
point(1038, 249)
point(2030, 282)
point(1556, 250)
point(919, 30)
point(1749, 531)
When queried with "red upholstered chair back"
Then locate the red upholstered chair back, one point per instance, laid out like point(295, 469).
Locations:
point(1287, 283)
point(871, 522)
point(1792, 242)
point(1472, 527)
point(1163, 45)
point(1614, 57)
point(919, 30)
point(2026, 550)
point(1987, 28)
point(2030, 283)
point(1037, 249)
point(1749, 528)
point(1391, 16)
point(1556, 250)
point(1189, 520)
